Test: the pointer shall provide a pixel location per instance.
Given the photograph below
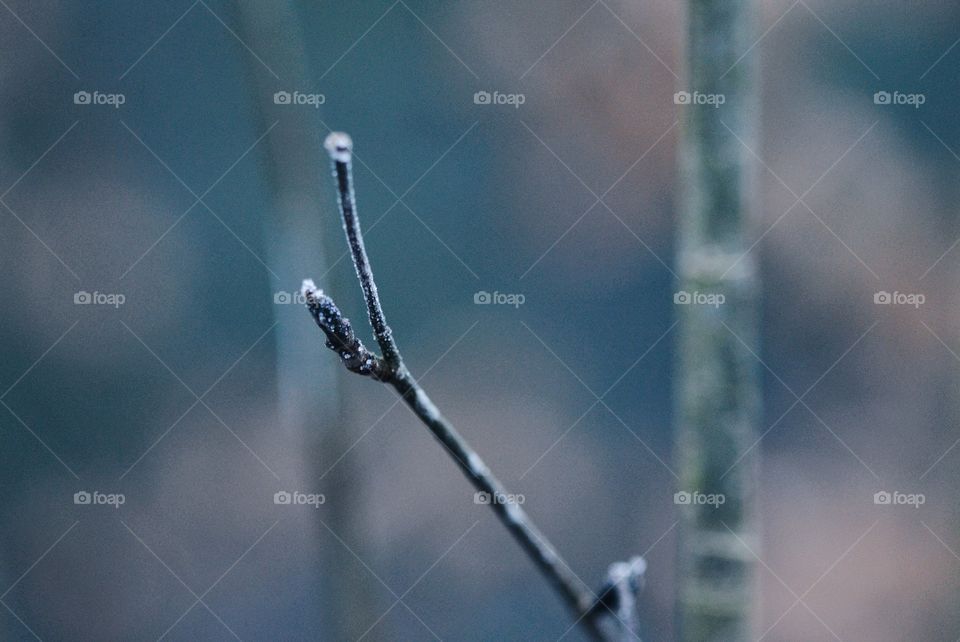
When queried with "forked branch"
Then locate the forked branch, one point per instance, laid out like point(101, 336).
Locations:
point(618, 596)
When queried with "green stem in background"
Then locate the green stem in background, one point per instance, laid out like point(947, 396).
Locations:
point(309, 417)
point(718, 393)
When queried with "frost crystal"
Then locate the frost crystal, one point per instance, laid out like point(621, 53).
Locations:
point(309, 287)
point(340, 146)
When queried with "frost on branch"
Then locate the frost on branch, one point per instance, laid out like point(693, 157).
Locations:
point(340, 336)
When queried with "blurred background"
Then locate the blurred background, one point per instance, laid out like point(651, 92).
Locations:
point(161, 202)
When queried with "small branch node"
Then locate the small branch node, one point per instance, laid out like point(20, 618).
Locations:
point(619, 596)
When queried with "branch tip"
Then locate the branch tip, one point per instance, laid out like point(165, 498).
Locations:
point(340, 146)
point(309, 288)
point(340, 335)
point(631, 571)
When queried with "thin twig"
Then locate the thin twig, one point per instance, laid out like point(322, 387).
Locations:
point(341, 152)
point(585, 605)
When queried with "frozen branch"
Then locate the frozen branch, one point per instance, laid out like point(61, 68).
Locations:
point(618, 597)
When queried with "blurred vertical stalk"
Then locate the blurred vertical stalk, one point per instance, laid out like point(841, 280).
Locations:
point(310, 415)
point(718, 394)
